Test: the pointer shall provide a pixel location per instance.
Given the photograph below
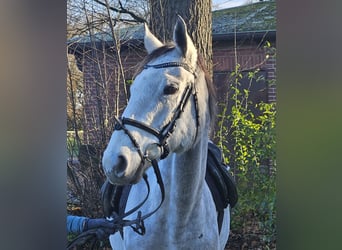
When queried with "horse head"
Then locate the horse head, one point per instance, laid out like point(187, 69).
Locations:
point(163, 114)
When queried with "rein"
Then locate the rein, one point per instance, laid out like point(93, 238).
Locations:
point(139, 221)
point(119, 223)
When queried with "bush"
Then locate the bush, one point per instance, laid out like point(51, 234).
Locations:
point(247, 137)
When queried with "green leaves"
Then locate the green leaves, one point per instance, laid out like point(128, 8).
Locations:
point(248, 145)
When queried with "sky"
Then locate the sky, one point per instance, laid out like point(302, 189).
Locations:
point(222, 4)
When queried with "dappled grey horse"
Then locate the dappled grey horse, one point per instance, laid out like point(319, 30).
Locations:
point(166, 124)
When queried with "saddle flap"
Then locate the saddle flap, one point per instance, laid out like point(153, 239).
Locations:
point(223, 186)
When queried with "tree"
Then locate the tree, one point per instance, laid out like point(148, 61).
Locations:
point(197, 14)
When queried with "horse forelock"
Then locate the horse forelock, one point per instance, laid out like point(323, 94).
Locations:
point(200, 64)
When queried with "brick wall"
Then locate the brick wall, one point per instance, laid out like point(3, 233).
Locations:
point(270, 67)
point(102, 94)
point(249, 57)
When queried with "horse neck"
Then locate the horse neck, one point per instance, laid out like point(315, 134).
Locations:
point(186, 177)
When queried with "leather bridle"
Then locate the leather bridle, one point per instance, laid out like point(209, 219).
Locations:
point(163, 134)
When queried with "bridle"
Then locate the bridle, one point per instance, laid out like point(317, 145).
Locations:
point(162, 135)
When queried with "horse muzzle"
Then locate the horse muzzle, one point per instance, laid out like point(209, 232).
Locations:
point(121, 170)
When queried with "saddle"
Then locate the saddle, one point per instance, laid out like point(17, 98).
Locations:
point(221, 184)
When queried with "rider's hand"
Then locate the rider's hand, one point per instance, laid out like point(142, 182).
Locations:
point(103, 224)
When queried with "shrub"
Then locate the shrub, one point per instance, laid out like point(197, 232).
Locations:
point(246, 135)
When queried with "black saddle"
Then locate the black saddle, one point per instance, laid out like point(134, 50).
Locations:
point(220, 182)
point(218, 178)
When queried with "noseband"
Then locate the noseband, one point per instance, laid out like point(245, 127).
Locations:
point(164, 133)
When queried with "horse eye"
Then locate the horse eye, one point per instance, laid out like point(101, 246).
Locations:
point(170, 89)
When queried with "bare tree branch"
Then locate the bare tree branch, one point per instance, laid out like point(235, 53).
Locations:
point(124, 11)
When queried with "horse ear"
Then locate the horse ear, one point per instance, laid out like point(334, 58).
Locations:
point(150, 41)
point(182, 39)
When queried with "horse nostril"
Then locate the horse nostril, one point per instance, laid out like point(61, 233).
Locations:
point(120, 168)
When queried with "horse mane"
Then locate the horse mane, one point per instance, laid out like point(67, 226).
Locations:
point(200, 63)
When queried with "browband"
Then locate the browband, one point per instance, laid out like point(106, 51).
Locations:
point(185, 66)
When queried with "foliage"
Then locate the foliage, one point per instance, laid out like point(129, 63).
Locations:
point(246, 135)
point(73, 143)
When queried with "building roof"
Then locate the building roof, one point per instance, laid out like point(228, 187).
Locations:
point(250, 20)
point(260, 16)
